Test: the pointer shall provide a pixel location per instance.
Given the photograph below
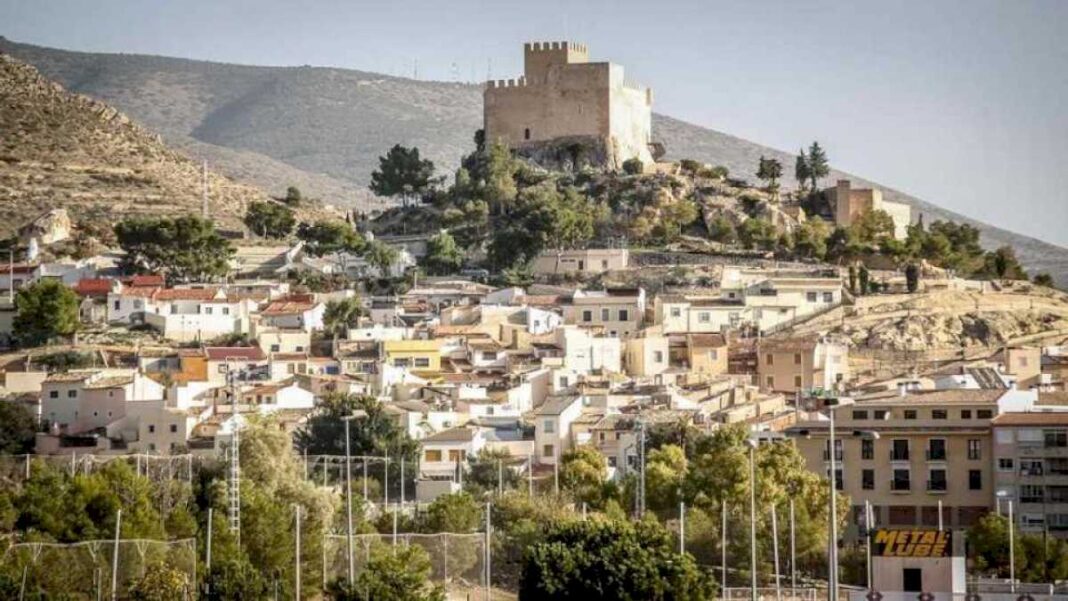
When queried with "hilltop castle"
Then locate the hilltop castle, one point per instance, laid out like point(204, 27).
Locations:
point(562, 97)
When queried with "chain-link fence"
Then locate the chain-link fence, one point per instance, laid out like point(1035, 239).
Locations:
point(457, 560)
point(84, 570)
point(16, 469)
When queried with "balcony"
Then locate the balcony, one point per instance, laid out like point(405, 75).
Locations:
point(936, 455)
point(936, 486)
point(901, 486)
point(899, 454)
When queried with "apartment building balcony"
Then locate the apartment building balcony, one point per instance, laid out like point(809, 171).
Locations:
point(899, 455)
point(935, 455)
point(937, 486)
point(900, 486)
point(1042, 451)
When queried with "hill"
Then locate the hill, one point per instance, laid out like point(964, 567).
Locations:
point(322, 129)
point(63, 149)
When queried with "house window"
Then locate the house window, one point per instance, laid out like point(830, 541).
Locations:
point(457, 455)
point(489, 355)
point(860, 414)
point(275, 348)
point(713, 355)
point(117, 304)
point(867, 448)
point(1005, 464)
point(770, 382)
point(72, 394)
point(936, 449)
point(422, 361)
point(828, 297)
point(974, 448)
point(901, 480)
point(658, 356)
point(867, 479)
point(899, 450)
point(704, 317)
point(975, 479)
point(1055, 438)
point(910, 414)
point(226, 310)
point(208, 310)
point(939, 414)
point(605, 315)
point(936, 480)
point(587, 315)
point(797, 381)
point(623, 315)
point(797, 358)
point(676, 312)
point(549, 426)
point(433, 455)
point(547, 451)
point(769, 359)
point(53, 394)
point(965, 413)
point(984, 414)
point(880, 414)
point(402, 362)
point(811, 297)
point(174, 428)
point(526, 134)
point(151, 428)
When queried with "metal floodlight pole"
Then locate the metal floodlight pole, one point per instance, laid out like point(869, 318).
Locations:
point(752, 522)
point(793, 551)
point(296, 559)
point(723, 544)
point(775, 551)
point(365, 478)
point(348, 500)
point(1012, 551)
point(402, 481)
point(208, 549)
point(489, 571)
point(832, 539)
point(500, 478)
point(385, 482)
point(682, 528)
point(530, 474)
point(115, 557)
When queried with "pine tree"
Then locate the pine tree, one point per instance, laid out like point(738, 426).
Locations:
point(817, 165)
point(801, 171)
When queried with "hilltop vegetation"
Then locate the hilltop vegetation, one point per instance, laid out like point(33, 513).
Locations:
point(322, 129)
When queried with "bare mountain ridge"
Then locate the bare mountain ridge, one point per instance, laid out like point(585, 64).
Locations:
point(322, 129)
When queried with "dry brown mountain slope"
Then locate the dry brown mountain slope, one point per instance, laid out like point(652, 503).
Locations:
point(59, 149)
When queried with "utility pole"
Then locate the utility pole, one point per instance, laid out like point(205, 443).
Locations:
point(115, 558)
point(793, 552)
point(296, 588)
point(752, 523)
point(775, 550)
point(208, 550)
point(723, 544)
point(682, 528)
point(489, 571)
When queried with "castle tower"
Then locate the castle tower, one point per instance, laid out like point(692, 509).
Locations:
point(563, 98)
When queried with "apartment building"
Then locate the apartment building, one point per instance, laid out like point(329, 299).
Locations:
point(618, 312)
point(793, 365)
point(590, 260)
point(678, 314)
point(1031, 468)
point(933, 446)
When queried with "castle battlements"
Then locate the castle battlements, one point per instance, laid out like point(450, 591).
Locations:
point(507, 83)
point(546, 46)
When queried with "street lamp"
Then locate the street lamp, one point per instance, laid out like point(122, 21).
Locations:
point(357, 414)
point(752, 520)
point(1003, 494)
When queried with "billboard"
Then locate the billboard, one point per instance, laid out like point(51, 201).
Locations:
point(912, 542)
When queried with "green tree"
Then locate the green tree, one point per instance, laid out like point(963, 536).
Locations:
point(810, 239)
point(457, 512)
point(340, 315)
point(1043, 279)
point(443, 255)
point(912, 277)
point(721, 230)
point(489, 466)
point(802, 173)
point(293, 196)
point(17, 428)
point(499, 188)
point(181, 248)
point(1002, 264)
point(392, 574)
point(873, 227)
point(818, 166)
point(270, 219)
point(665, 476)
point(233, 579)
point(606, 559)
point(161, 582)
point(633, 166)
point(864, 279)
point(401, 172)
point(326, 237)
point(45, 310)
point(583, 471)
point(382, 257)
point(376, 434)
point(769, 171)
point(757, 233)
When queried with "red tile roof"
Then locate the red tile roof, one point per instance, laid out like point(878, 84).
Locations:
point(201, 294)
point(246, 353)
point(287, 308)
point(144, 280)
point(93, 287)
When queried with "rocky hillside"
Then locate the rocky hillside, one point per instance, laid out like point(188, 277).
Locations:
point(59, 149)
point(322, 129)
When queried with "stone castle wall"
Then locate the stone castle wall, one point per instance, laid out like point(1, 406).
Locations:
point(562, 95)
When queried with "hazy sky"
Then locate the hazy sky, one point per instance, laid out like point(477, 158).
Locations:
point(961, 103)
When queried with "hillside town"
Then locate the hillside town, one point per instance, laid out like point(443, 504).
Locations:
point(584, 368)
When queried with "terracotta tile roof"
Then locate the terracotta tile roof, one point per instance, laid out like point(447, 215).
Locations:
point(784, 345)
point(71, 376)
point(144, 280)
point(289, 356)
point(93, 287)
point(139, 291)
point(965, 396)
point(201, 294)
point(707, 340)
point(540, 300)
point(222, 353)
point(287, 308)
point(1052, 418)
point(452, 435)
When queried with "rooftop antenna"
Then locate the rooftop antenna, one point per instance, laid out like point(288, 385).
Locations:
point(204, 190)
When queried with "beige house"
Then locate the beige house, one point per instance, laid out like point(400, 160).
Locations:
point(850, 204)
point(707, 354)
point(933, 446)
point(591, 261)
point(618, 312)
point(795, 365)
point(678, 314)
point(647, 354)
point(1025, 364)
point(552, 427)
